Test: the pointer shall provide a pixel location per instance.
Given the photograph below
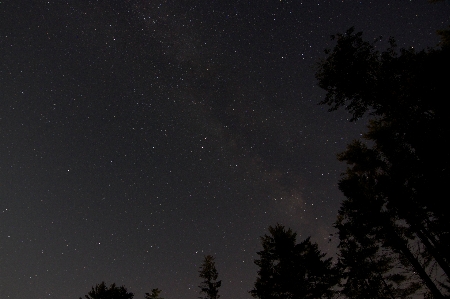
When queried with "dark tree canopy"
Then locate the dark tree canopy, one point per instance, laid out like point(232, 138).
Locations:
point(367, 266)
point(210, 285)
point(397, 175)
point(290, 270)
point(101, 291)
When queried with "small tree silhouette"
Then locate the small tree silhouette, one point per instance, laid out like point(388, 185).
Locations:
point(154, 295)
point(210, 285)
point(100, 291)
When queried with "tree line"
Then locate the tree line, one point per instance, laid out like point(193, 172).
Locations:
point(393, 225)
point(286, 270)
point(209, 286)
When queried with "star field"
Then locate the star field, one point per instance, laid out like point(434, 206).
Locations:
point(139, 136)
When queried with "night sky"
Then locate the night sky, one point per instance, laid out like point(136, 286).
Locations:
point(137, 136)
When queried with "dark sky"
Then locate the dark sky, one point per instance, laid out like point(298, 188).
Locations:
point(137, 136)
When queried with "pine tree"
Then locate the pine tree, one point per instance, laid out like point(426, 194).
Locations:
point(290, 270)
point(154, 295)
point(210, 285)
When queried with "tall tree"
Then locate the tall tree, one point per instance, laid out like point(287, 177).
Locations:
point(290, 270)
point(368, 265)
point(101, 291)
point(367, 212)
point(210, 285)
point(405, 93)
point(406, 165)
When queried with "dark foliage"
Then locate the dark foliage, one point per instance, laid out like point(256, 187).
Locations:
point(366, 232)
point(394, 186)
point(154, 295)
point(290, 270)
point(210, 285)
point(101, 291)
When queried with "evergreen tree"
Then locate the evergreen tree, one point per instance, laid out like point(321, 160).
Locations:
point(100, 291)
point(154, 295)
point(210, 285)
point(290, 270)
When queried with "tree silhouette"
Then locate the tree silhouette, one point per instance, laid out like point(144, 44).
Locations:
point(404, 171)
point(210, 285)
point(154, 295)
point(290, 270)
point(366, 260)
point(367, 213)
point(100, 291)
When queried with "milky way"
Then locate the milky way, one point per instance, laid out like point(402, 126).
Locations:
point(138, 136)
